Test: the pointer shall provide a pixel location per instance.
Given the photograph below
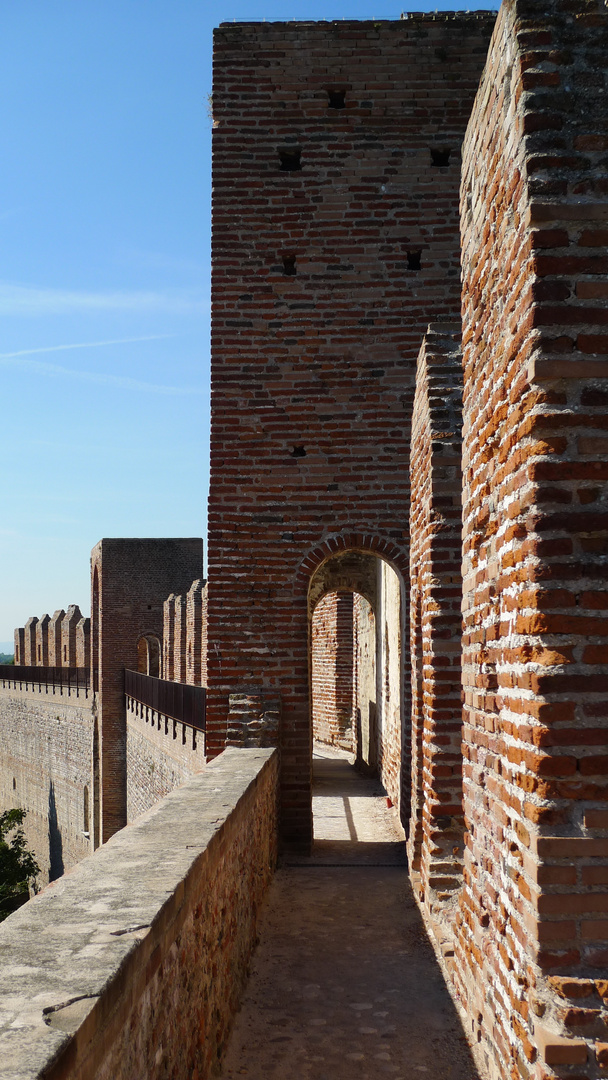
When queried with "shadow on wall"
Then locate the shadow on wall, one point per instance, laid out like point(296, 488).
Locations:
point(56, 867)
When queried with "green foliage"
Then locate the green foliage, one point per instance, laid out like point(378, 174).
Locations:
point(6, 658)
point(18, 867)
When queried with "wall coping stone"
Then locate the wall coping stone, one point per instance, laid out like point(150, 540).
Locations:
point(65, 948)
point(79, 698)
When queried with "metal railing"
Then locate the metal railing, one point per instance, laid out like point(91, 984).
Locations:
point(179, 701)
point(63, 680)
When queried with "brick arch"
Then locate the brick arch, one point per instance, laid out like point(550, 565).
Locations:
point(341, 542)
point(384, 714)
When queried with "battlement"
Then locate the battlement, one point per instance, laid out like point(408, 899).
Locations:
point(61, 641)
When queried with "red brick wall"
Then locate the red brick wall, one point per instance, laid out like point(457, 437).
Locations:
point(60, 641)
point(436, 827)
point(534, 202)
point(29, 649)
point(83, 643)
point(176, 898)
point(196, 637)
point(68, 635)
point(169, 638)
point(204, 642)
point(19, 638)
point(55, 639)
point(179, 639)
point(134, 577)
point(364, 681)
point(42, 641)
point(184, 647)
point(332, 670)
point(312, 371)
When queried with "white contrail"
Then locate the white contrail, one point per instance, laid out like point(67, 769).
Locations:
point(29, 300)
point(83, 345)
point(101, 378)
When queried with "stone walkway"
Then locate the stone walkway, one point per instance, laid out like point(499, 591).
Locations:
point(344, 983)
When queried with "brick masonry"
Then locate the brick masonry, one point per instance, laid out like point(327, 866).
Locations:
point(322, 216)
point(161, 754)
point(60, 641)
point(377, 662)
point(436, 826)
point(130, 582)
point(333, 692)
point(133, 965)
point(332, 180)
point(535, 281)
point(184, 639)
point(46, 767)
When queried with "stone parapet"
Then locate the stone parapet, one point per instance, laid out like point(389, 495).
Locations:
point(133, 965)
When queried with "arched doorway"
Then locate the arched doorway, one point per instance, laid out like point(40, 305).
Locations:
point(357, 608)
point(148, 655)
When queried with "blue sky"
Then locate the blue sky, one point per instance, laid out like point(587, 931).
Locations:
point(104, 280)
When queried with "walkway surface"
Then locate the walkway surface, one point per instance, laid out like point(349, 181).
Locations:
point(344, 983)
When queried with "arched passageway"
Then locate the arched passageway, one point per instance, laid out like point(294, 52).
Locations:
point(357, 677)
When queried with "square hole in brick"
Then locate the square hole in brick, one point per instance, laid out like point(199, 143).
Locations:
point(290, 159)
point(440, 157)
point(336, 99)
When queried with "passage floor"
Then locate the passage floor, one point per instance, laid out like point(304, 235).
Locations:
point(344, 983)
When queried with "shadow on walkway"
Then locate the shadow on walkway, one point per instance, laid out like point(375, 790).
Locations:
point(344, 983)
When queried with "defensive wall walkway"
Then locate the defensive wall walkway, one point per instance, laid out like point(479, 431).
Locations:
point(344, 983)
point(132, 966)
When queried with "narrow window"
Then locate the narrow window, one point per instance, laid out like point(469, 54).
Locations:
point(85, 816)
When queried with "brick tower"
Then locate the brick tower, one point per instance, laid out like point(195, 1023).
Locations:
point(335, 242)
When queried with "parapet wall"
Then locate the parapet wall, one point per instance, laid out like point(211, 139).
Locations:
point(184, 644)
point(161, 754)
point(133, 965)
point(47, 767)
point(61, 641)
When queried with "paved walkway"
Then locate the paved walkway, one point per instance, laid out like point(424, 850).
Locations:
point(344, 984)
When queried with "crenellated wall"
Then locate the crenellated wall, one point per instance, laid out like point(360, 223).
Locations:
point(184, 640)
point(60, 641)
point(196, 633)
